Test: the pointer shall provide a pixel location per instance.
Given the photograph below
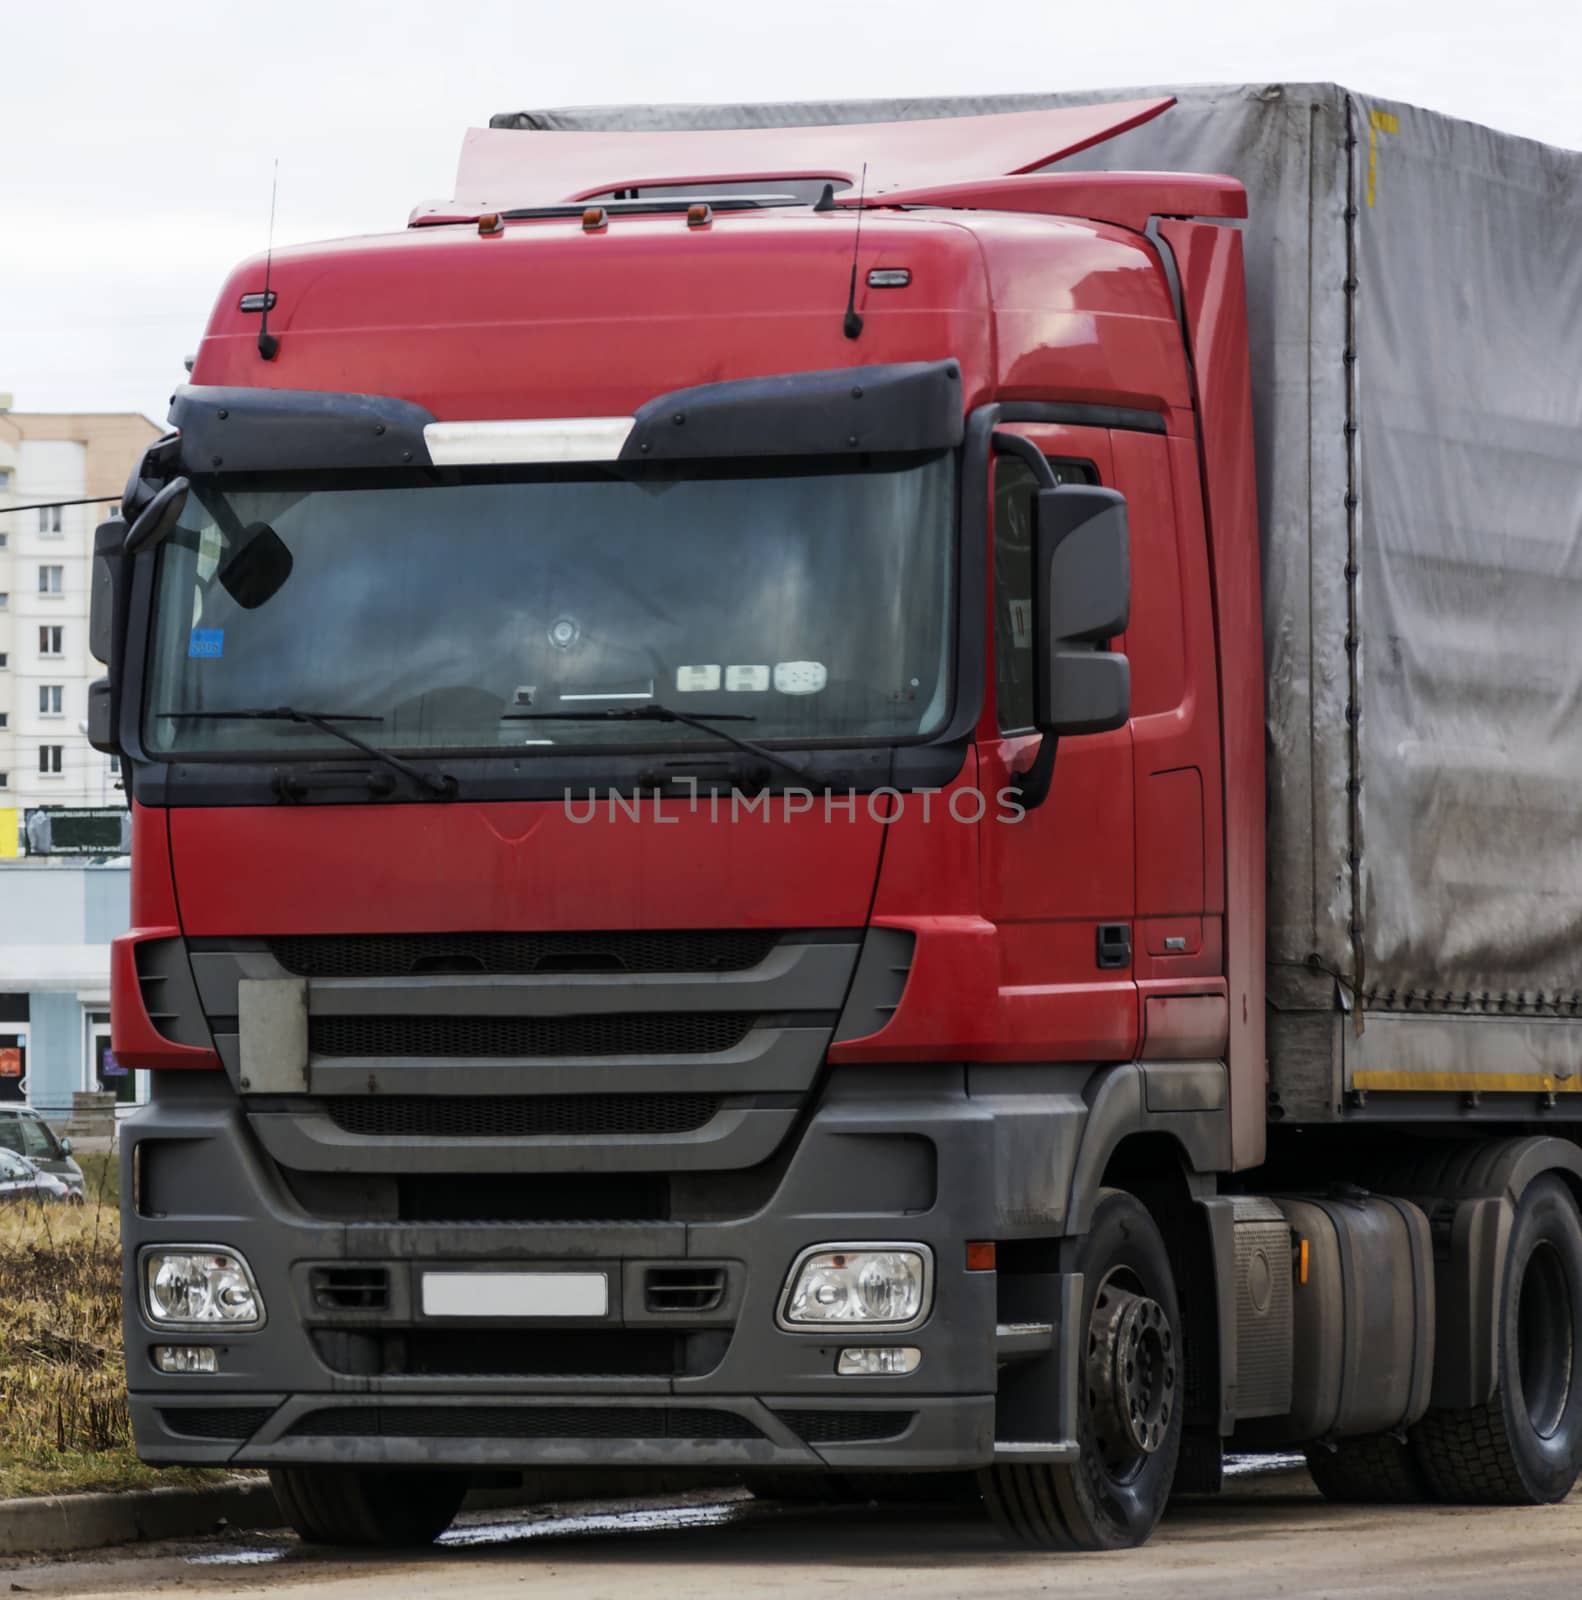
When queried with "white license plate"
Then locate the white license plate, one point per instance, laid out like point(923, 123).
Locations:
point(515, 1294)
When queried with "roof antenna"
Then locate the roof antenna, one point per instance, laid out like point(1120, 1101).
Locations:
point(268, 344)
point(852, 326)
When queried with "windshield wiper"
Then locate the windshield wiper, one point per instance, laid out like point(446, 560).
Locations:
point(441, 784)
point(654, 712)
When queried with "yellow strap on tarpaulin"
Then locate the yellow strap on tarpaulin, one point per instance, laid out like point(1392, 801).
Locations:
point(1469, 1082)
point(9, 831)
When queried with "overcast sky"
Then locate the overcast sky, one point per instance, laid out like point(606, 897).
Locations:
point(139, 140)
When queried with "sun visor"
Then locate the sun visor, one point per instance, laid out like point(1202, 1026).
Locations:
point(906, 406)
point(296, 430)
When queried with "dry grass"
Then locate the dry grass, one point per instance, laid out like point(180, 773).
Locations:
point(63, 1412)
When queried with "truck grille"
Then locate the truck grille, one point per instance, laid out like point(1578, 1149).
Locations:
point(215, 1422)
point(533, 1197)
point(350, 1288)
point(681, 1289)
point(475, 1352)
point(394, 955)
point(524, 1422)
point(846, 1427)
point(661, 1033)
point(519, 1115)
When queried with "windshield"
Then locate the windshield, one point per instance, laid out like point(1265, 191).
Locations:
point(814, 600)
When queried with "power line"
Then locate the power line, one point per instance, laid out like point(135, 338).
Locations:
point(51, 505)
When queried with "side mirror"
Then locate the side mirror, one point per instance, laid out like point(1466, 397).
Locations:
point(65, 1147)
point(1082, 569)
point(158, 517)
point(109, 541)
point(114, 543)
point(106, 626)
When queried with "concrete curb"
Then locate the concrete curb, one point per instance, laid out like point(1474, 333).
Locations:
point(54, 1524)
point(58, 1522)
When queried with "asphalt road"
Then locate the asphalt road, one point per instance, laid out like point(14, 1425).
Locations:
point(1273, 1537)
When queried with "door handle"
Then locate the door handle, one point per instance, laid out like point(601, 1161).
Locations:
point(1114, 946)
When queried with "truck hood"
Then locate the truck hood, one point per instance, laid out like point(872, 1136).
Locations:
point(262, 871)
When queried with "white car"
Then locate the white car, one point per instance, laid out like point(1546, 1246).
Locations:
point(20, 1179)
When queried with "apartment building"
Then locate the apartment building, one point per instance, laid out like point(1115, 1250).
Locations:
point(45, 561)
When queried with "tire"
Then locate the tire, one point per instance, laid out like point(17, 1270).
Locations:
point(1377, 1469)
point(392, 1509)
point(1113, 1496)
point(1524, 1445)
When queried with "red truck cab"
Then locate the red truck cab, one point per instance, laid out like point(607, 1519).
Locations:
point(697, 768)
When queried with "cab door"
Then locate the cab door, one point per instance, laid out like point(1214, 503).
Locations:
point(1060, 883)
point(1178, 954)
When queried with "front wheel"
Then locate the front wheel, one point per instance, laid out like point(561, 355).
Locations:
point(393, 1509)
point(1129, 1411)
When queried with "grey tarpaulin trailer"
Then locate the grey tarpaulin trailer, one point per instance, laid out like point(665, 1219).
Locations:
point(1415, 289)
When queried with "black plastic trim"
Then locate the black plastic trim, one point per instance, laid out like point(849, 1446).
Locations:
point(228, 430)
point(1124, 418)
point(1024, 450)
point(639, 207)
point(919, 389)
point(972, 582)
point(903, 407)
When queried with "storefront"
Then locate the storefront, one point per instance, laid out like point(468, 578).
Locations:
point(55, 931)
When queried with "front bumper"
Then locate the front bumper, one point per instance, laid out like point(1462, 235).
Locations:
point(891, 1153)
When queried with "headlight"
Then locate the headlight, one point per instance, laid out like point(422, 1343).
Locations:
point(876, 1285)
point(191, 1286)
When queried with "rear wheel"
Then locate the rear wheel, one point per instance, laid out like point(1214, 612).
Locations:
point(1129, 1412)
point(368, 1506)
point(1524, 1445)
point(1375, 1470)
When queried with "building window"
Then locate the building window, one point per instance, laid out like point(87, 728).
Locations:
point(5, 600)
point(5, 719)
point(5, 539)
point(49, 760)
point(49, 699)
point(5, 780)
point(49, 520)
point(5, 661)
point(5, 480)
point(51, 641)
point(51, 579)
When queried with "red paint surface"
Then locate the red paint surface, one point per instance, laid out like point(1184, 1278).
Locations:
point(1005, 914)
point(1214, 296)
point(483, 868)
point(133, 1038)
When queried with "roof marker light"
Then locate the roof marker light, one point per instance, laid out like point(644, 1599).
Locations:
point(595, 218)
point(889, 277)
point(700, 215)
point(490, 222)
